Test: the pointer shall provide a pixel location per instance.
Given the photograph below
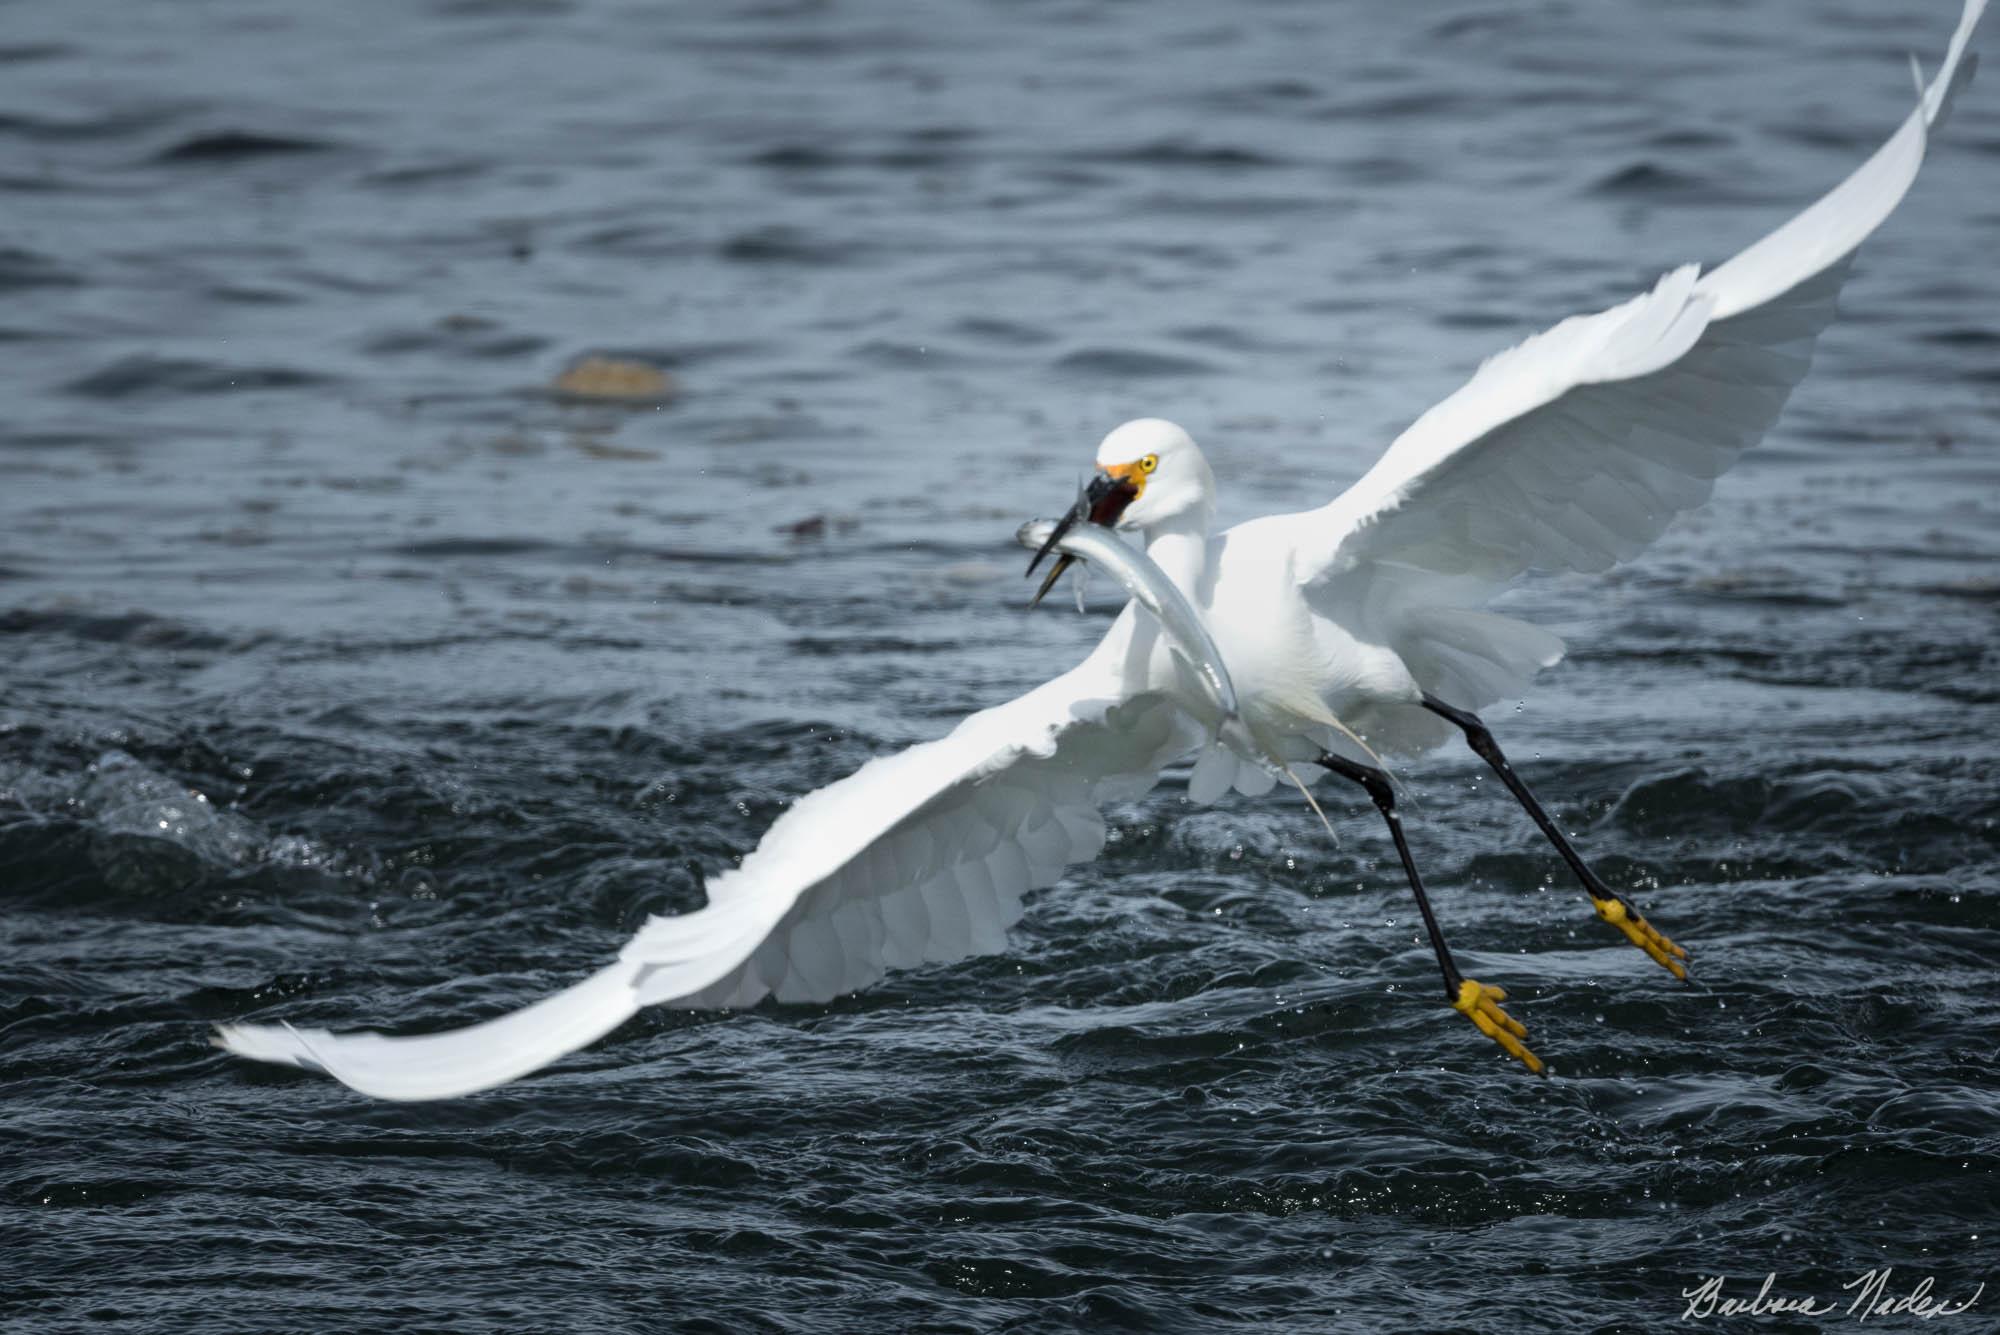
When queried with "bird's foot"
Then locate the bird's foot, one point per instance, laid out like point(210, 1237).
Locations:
point(1643, 935)
point(1481, 1005)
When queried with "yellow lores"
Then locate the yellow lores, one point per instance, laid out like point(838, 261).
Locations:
point(1134, 473)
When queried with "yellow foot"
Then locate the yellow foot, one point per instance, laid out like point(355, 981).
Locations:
point(1643, 935)
point(1481, 1004)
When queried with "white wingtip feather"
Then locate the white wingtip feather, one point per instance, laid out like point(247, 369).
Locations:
point(456, 1062)
point(1844, 217)
point(1958, 68)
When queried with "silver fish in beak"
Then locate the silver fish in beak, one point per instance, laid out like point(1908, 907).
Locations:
point(1186, 633)
point(1148, 585)
point(1100, 503)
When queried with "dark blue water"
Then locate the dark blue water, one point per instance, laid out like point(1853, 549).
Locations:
point(348, 674)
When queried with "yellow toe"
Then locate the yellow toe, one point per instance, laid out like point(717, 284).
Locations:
point(1481, 1004)
point(1644, 935)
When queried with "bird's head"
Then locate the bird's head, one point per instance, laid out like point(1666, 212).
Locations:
point(1149, 471)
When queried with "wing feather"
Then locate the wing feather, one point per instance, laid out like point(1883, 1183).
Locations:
point(923, 856)
point(1574, 449)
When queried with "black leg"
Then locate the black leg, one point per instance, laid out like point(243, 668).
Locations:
point(1384, 796)
point(1476, 1001)
point(1611, 906)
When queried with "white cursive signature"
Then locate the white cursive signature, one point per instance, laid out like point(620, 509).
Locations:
point(1871, 1298)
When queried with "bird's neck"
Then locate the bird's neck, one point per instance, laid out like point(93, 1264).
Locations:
point(1179, 547)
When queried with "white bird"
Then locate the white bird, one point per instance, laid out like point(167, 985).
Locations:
point(1361, 619)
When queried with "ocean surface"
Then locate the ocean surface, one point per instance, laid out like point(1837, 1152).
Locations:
point(351, 673)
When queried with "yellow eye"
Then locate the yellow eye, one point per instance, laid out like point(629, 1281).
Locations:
point(1150, 462)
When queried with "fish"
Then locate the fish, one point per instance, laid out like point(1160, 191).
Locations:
point(1187, 634)
point(1148, 585)
point(1100, 502)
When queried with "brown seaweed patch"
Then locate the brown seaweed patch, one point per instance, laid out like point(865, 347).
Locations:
point(615, 378)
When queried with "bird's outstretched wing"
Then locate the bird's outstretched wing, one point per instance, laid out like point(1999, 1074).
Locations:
point(1573, 449)
point(918, 857)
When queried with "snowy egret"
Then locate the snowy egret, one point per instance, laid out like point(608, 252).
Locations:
point(1350, 632)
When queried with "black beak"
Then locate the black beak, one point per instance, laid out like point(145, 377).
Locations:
point(1102, 502)
point(1063, 563)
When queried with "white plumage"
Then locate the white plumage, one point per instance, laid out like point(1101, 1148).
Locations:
point(1570, 451)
